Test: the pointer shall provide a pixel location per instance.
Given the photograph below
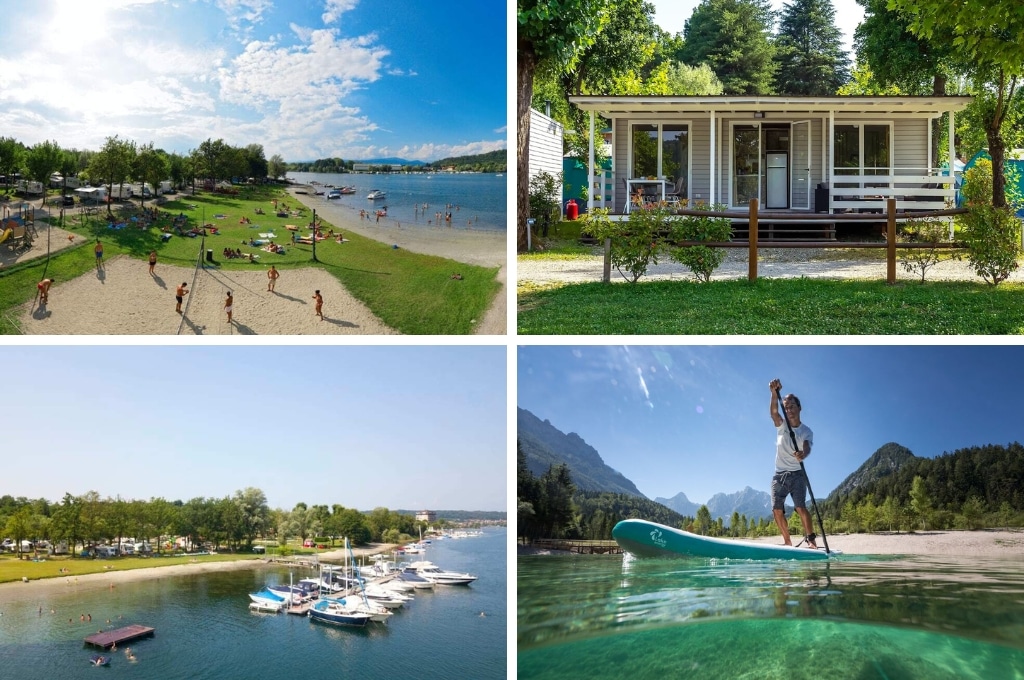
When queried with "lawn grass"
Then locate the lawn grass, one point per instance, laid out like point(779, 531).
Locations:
point(412, 293)
point(13, 569)
point(773, 307)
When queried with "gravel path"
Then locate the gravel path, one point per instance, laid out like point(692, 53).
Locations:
point(817, 263)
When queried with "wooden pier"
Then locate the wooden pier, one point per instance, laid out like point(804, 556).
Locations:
point(578, 546)
point(109, 638)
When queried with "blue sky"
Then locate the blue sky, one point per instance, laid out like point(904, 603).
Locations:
point(401, 427)
point(307, 79)
point(696, 419)
point(671, 15)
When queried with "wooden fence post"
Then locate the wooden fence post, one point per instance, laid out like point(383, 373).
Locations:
point(752, 240)
point(607, 277)
point(890, 239)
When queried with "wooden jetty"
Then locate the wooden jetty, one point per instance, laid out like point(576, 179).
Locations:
point(108, 639)
point(579, 547)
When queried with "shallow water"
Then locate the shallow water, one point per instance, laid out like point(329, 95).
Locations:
point(204, 628)
point(887, 617)
point(480, 197)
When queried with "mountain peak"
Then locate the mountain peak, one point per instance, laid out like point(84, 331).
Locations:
point(885, 461)
point(544, 445)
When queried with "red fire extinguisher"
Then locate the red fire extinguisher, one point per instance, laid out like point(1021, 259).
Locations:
point(572, 211)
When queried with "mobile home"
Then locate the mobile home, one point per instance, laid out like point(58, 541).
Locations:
point(825, 154)
point(29, 187)
point(91, 194)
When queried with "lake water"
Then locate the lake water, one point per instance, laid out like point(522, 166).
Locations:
point(481, 197)
point(886, 618)
point(204, 628)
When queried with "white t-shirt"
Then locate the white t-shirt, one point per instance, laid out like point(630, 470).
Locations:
point(785, 461)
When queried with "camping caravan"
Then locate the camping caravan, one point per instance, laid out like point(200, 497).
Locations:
point(121, 192)
point(58, 182)
point(142, 189)
point(29, 187)
point(164, 187)
point(91, 194)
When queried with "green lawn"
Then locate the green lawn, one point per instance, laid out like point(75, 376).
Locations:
point(411, 293)
point(13, 569)
point(773, 307)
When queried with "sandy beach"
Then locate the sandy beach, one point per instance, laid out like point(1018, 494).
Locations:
point(945, 543)
point(123, 299)
point(19, 591)
point(991, 543)
point(481, 248)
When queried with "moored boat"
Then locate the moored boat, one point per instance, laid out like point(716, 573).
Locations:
point(375, 194)
point(337, 612)
point(435, 574)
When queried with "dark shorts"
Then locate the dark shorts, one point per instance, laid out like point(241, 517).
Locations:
point(789, 484)
point(179, 298)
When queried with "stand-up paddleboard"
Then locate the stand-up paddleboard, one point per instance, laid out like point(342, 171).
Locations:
point(649, 539)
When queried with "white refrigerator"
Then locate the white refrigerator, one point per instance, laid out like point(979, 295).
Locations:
point(778, 180)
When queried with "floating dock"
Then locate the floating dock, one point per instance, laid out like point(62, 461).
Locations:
point(108, 639)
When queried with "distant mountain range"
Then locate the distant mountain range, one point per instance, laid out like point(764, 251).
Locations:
point(545, 445)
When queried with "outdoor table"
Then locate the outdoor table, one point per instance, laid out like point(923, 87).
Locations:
point(632, 184)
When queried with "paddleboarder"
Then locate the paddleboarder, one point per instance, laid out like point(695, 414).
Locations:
point(789, 479)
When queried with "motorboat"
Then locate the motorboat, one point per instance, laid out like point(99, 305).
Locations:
point(333, 193)
point(348, 190)
point(375, 194)
point(412, 578)
point(338, 612)
point(268, 597)
point(293, 594)
point(435, 574)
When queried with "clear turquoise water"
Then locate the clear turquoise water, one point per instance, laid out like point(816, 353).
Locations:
point(887, 618)
point(481, 198)
point(204, 629)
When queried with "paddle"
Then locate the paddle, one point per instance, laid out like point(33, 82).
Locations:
point(792, 437)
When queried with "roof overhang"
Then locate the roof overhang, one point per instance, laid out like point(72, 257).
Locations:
point(767, 106)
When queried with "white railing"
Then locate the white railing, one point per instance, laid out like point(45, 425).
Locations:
point(927, 189)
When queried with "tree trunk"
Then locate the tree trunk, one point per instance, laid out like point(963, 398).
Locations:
point(525, 65)
point(938, 90)
point(997, 150)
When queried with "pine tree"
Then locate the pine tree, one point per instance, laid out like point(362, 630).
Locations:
point(810, 55)
point(733, 38)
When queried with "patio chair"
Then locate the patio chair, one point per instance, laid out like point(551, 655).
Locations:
point(678, 191)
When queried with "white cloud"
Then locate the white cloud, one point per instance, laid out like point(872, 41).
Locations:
point(243, 11)
point(333, 9)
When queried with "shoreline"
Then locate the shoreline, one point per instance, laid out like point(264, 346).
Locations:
point(483, 248)
point(981, 543)
point(70, 583)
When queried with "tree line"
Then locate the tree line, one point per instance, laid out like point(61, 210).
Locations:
point(233, 522)
point(122, 160)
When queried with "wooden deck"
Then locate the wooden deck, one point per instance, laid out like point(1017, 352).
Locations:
point(109, 638)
